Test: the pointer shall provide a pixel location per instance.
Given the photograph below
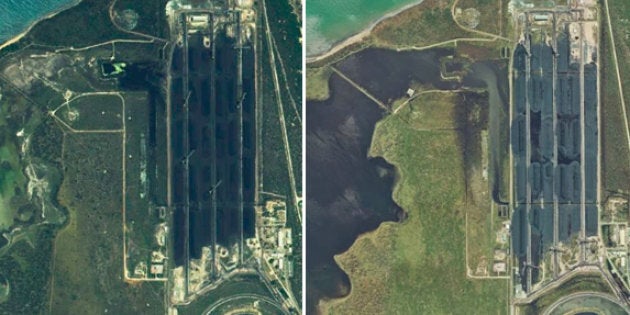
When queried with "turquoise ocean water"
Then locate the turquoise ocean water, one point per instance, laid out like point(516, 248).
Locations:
point(329, 21)
point(17, 15)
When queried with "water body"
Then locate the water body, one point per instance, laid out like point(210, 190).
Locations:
point(348, 192)
point(17, 15)
point(330, 21)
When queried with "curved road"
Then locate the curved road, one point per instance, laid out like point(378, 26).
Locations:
point(583, 295)
point(233, 298)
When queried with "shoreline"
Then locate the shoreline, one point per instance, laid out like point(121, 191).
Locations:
point(21, 35)
point(360, 36)
point(326, 303)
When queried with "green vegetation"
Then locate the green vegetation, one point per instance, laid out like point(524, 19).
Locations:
point(428, 23)
point(444, 111)
point(25, 264)
point(616, 154)
point(592, 282)
point(26, 267)
point(619, 12)
point(418, 267)
point(430, 110)
point(16, 114)
point(285, 32)
point(275, 176)
point(86, 24)
point(46, 142)
point(489, 20)
point(11, 183)
point(285, 29)
point(93, 112)
point(88, 259)
point(275, 170)
point(152, 15)
point(480, 50)
point(317, 83)
point(141, 217)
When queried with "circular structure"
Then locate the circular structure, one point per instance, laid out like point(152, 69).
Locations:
point(587, 303)
point(245, 304)
point(25, 212)
point(127, 19)
point(469, 18)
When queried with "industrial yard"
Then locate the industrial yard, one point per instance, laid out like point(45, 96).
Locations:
point(563, 225)
point(213, 158)
point(554, 142)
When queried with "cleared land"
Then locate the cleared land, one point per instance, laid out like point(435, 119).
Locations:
point(424, 257)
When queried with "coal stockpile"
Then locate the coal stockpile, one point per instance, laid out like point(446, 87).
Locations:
point(547, 143)
point(569, 220)
point(563, 51)
point(591, 219)
point(591, 140)
point(213, 143)
point(201, 161)
point(520, 240)
point(519, 232)
point(248, 102)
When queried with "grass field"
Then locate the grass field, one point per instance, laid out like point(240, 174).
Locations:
point(87, 260)
point(418, 267)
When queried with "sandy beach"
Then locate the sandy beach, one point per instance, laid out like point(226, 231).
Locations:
point(17, 38)
point(358, 37)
